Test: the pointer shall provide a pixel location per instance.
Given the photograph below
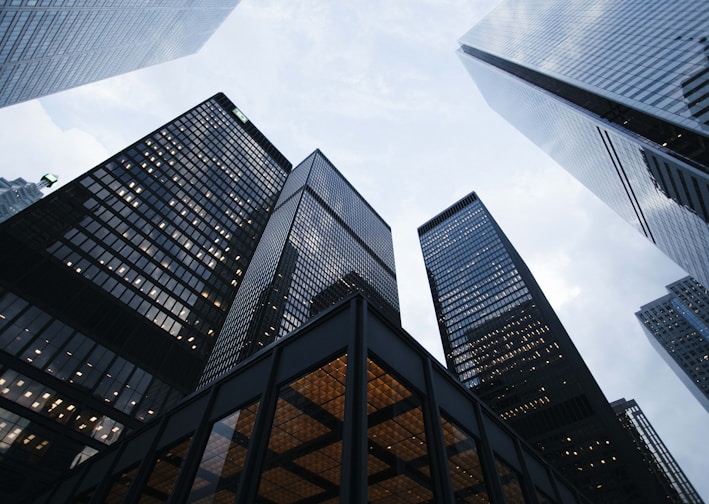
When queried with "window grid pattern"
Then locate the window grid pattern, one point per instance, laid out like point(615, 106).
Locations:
point(678, 327)
point(324, 242)
point(51, 45)
point(502, 339)
point(649, 56)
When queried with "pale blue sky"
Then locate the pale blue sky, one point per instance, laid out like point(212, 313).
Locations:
point(377, 86)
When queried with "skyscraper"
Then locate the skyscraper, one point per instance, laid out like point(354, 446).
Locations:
point(54, 45)
point(677, 326)
point(503, 340)
point(18, 194)
point(618, 94)
point(656, 454)
point(323, 242)
point(113, 287)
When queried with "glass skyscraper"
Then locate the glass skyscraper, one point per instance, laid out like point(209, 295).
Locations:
point(323, 242)
point(503, 340)
point(18, 194)
point(677, 326)
point(114, 287)
point(656, 454)
point(51, 45)
point(618, 94)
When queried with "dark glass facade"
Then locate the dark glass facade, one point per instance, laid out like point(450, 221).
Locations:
point(618, 94)
point(677, 326)
point(502, 339)
point(323, 242)
point(347, 408)
point(114, 287)
point(656, 455)
point(51, 45)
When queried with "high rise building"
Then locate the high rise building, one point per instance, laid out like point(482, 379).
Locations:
point(18, 194)
point(618, 94)
point(323, 242)
point(347, 408)
point(677, 326)
point(114, 287)
point(655, 453)
point(54, 45)
point(503, 340)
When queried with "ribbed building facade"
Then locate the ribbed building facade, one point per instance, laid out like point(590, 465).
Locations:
point(656, 454)
point(323, 243)
point(52, 45)
point(677, 326)
point(502, 339)
point(114, 287)
point(618, 94)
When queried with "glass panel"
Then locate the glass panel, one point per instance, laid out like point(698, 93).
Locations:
point(464, 465)
point(305, 448)
point(164, 473)
point(223, 459)
point(398, 458)
point(511, 486)
point(120, 486)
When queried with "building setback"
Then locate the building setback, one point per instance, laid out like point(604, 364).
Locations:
point(618, 94)
point(18, 194)
point(677, 326)
point(504, 342)
point(323, 242)
point(53, 45)
point(114, 287)
point(347, 408)
point(656, 454)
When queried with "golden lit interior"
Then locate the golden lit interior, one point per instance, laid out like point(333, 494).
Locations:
point(305, 447)
point(397, 461)
point(219, 470)
point(464, 465)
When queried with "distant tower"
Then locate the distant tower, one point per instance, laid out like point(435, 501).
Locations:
point(618, 94)
point(656, 454)
point(18, 194)
point(114, 287)
point(53, 45)
point(677, 325)
point(323, 242)
point(503, 340)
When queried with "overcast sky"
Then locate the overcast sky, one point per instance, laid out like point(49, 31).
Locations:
point(378, 87)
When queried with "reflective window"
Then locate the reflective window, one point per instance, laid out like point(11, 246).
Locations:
point(464, 465)
point(305, 447)
point(511, 486)
point(162, 478)
point(223, 460)
point(397, 461)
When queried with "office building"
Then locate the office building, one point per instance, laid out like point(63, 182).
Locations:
point(347, 408)
point(655, 453)
point(18, 194)
point(114, 287)
point(677, 326)
point(618, 94)
point(502, 339)
point(52, 45)
point(323, 242)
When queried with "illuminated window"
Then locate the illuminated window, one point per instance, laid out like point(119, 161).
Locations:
point(464, 465)
point(397, 461)
point(305, 446)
